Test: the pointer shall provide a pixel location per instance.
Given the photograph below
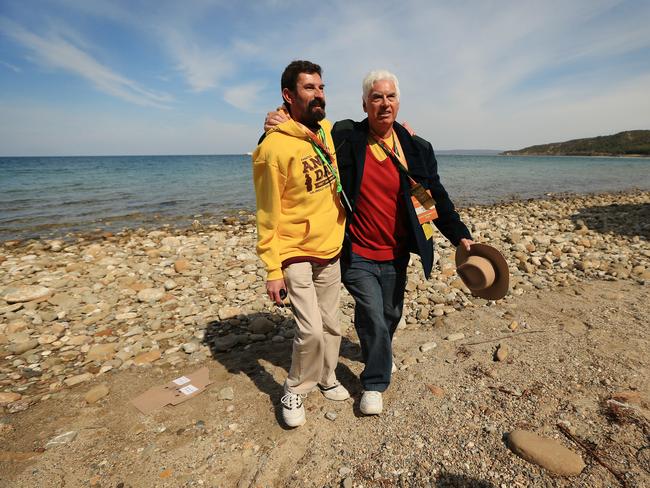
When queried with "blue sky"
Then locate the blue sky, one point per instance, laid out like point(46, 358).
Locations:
point(89, 77)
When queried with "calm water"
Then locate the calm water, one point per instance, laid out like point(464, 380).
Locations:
point(47, 197)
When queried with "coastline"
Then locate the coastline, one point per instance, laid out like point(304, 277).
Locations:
point(133, 309)
point(595, 155)
point(191, 223)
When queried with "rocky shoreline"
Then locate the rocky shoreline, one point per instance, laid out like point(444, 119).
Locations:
point(73, 313)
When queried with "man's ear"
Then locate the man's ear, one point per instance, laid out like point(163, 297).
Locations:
point(287, 95)
point(364, 105)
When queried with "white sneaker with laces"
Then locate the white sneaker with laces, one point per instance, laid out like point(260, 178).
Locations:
point(371, 403)
point(293, 410)
point(336, 392)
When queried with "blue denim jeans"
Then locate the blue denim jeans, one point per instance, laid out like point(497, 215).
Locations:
point(378, 291)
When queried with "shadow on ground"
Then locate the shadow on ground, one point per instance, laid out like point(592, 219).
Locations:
point(230, 346)
point(625, 219)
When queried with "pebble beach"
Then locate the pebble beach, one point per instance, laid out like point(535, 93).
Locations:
point(80, 316)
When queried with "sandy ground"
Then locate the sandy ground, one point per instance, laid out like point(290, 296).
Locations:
point(444, 418)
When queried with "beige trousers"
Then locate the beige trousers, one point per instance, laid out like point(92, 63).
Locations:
point(314, 293)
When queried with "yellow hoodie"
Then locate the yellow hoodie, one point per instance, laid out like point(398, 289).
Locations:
point(298, 210)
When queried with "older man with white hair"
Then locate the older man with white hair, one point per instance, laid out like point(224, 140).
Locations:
point(394, 194)
point(391, 181)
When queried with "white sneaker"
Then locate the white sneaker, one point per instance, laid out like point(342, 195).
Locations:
point(371, 403)
point(293, 410)
point(336, 392)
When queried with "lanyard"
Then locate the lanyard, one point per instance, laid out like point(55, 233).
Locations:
point(324, 154)
point(394, 156)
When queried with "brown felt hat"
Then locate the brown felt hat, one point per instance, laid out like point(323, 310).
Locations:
point(484, 271)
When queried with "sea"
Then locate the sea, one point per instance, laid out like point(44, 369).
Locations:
point(56, 197)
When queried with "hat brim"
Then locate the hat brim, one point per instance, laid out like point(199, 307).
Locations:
point(499, 288)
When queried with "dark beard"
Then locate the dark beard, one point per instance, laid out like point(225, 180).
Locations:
point(313, 117)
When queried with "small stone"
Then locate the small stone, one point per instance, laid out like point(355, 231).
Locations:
point(228, 312)
point(428, 346)
point(331, 416)
point(347, 483)
point(80, 378)
point(502, 352)
point(47, 339)
point(79, 340)
point(225, 343)
point(548, 453)
point(101, 352)
point(22, 347)
point(190, 347)
point(455, 337)
point(436, 391)
point(97, 393)
point(150, 295)
point(261, 325)
point(25, 293)
point(514, 325)
point(226, 393)
point(62, 439)
point(181, 265)
point(170, 285)
point(133, 331)
point(9, 397)
point(147, 357)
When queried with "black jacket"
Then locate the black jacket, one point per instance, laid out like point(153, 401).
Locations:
point(350, 140)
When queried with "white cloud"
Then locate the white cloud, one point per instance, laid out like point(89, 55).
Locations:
point(57, 52)
point(203, 68)
point(10, 66)
point(245, 97)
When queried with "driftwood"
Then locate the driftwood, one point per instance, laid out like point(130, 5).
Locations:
point(503, 337)
point(592, 452)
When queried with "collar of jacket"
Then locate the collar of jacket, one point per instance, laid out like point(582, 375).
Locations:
point(359, 141)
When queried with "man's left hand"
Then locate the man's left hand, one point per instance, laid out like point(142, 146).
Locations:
point(466, 243)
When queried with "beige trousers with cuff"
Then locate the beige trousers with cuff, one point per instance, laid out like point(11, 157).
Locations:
point(314, 293)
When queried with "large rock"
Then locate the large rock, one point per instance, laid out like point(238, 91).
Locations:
point(25, 293)
point(545, 452)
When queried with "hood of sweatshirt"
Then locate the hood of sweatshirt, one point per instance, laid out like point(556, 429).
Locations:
point(290, 128)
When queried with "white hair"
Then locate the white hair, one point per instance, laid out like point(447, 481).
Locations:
point(378, 75)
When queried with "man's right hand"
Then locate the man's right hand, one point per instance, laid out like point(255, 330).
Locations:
point(275, 118)
point(273, 288)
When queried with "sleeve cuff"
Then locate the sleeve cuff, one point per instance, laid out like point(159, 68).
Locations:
point(274, 274)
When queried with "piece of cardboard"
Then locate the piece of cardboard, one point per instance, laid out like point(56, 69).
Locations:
point(176, 391)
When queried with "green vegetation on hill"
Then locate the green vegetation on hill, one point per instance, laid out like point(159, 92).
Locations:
point(628, 143)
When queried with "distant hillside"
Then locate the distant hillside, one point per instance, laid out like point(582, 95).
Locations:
point(628, 143)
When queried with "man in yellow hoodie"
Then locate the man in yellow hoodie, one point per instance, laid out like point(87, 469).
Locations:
point(300, 226)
